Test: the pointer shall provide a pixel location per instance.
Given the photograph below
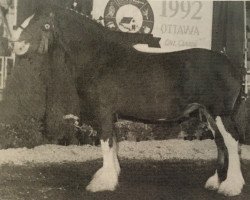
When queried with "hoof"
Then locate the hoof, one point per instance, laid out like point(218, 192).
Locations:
point(231, 187)
point(105, 179)
point(213, 182)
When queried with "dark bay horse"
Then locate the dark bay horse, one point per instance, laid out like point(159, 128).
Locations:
point(116, 81)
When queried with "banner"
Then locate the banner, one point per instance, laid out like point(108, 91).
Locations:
point(179, 24)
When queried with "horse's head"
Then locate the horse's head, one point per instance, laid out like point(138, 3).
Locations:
point(49, 24)
point(36, 33)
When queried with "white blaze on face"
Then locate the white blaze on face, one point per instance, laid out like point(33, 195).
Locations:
point(21, 47)
point(17, 33)
point(234, 182)
point(106, 178)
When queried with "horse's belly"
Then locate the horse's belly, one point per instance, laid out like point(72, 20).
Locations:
point(151, 108)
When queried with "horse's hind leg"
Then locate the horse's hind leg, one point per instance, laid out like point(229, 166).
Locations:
point(213, 182)
point(228, 178)
point(106, 178)
point(234, 181)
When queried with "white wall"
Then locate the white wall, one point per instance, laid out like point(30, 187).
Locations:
point(180, 24)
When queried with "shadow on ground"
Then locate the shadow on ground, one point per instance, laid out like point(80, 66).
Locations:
point(140, 180)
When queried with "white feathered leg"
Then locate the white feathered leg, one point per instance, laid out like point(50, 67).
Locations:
point(106, 178)
point(234, 182)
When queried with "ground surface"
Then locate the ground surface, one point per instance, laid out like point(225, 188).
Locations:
point(151, 170)
point(140, 180)
point(151, 150)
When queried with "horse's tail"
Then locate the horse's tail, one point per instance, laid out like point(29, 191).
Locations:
point(239, 116)
point(203, 111)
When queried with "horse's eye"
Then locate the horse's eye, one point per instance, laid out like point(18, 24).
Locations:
point(47, 26)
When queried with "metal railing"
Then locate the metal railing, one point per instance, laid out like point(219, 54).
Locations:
point(5, 70)
point(4, 67)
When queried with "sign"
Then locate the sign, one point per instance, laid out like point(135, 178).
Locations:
point(179, 24)
point(129, 16)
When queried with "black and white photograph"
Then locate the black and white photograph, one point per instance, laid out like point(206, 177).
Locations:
point(124, 100)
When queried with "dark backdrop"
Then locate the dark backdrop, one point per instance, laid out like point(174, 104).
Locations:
point(228, 30)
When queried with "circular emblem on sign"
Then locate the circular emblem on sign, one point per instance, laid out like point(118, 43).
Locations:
point(134, 16)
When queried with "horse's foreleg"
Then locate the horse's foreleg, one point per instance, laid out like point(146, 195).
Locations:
point(106, 178)
point(234, 181)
